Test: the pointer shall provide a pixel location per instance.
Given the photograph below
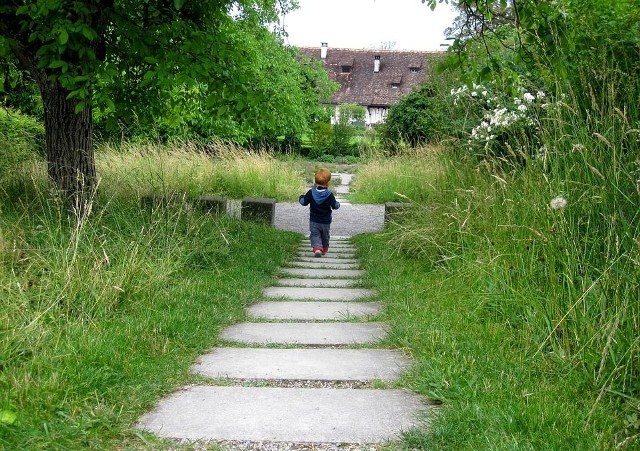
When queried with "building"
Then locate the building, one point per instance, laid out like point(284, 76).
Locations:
point(375, 79)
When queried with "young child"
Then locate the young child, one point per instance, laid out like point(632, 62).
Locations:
point(322, 203)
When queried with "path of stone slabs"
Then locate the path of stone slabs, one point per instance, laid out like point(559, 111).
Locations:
point(300, 371)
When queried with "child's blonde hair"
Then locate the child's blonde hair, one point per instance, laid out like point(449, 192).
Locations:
point(322, 177)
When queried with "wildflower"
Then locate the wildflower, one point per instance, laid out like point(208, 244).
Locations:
point(541, 94)
point(522, 108)
point(484, 93)
point(528, 97)
point(517, 101)
point(474, 94)
point(558, 203)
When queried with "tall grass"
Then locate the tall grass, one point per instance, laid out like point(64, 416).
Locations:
point(194, 169)
point(407, 177)
point(558, 287)
point(102, 315)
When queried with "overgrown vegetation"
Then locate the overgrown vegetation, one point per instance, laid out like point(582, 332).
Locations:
point(517, 270)
point(103, 315)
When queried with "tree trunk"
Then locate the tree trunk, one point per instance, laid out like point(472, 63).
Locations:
point(69, 144)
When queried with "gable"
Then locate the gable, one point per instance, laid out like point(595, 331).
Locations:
point(397, 74)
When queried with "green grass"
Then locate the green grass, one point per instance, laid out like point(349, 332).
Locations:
point(219, 169)
point(496, 392)
point(405, 178)
point(102, 316)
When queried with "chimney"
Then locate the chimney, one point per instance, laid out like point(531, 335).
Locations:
point(323, 51)
point(376, 63)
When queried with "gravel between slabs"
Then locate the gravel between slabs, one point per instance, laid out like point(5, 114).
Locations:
point(348, 220)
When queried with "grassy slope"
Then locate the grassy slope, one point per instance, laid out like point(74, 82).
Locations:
point(496, 394)
point(103, 317)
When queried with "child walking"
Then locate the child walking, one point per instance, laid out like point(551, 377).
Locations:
point(322, 203)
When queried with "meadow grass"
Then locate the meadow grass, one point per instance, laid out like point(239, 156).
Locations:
point(515, 285)
point(404, 178)
point(193, 169)
point(103, 315)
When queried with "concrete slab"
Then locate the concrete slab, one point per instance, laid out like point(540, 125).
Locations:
point(348, 221)
point(326, 259)
point(331, 254)
point(314, 283)
point(319, 263)
point(320, 273)
point(305, 333)
point(300, 415)
point(318, 294)
point(313, 311)
point(303, 364)
point(342, 189)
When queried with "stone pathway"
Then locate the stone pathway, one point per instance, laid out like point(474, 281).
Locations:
point(299, 374)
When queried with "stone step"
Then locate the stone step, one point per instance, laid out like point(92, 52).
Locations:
point(318, 294)
point(319, 263)
point(342, 189)
point(313, 311)
point(298, 415)
point(331, 254)
point(303, 364)
point(314, 283)
point(325, 259)
point(320, 273)
point(319, 334)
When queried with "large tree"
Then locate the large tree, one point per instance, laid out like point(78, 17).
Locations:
point(75, 51)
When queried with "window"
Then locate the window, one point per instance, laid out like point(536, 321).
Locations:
point(346, 69)
point(414, 70)
point(395, 85)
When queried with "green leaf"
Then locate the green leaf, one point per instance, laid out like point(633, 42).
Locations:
point(63, 37)
point(80, 106)
point(8, 417)
point(56, 64)
point(178, 4)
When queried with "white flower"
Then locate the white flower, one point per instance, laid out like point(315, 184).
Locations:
point(522, 108)
point(528, 97)
point(558, 203)
point(517, 101)
point(474, 94)
point(541, 94)
point(484, 93)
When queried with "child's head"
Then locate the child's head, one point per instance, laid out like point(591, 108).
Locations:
point(322, 177)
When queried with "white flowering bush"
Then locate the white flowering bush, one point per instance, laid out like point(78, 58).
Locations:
point(509, 125)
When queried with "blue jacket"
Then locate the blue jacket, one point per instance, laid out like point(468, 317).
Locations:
point(322, 202)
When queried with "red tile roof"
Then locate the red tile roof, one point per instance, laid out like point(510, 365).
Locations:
point(400, 72)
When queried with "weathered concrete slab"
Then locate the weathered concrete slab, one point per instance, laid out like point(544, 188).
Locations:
point(302, 415)
point(258, 209)
point(313, 311)
point(331, 254)
point(303, 364)
point(329, 283)
point(319, 263)
point(342, 189)
point(318, 294)
point(326, 259)
point(319, 273)
point(305, 333)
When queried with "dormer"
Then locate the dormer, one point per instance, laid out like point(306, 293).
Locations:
point(346, 66)
point(396, 82)
point(415, 66)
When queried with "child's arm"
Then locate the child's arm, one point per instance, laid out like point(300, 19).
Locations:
point(304, 199)
point(334, 202)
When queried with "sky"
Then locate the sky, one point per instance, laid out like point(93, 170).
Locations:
point(367, 23)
